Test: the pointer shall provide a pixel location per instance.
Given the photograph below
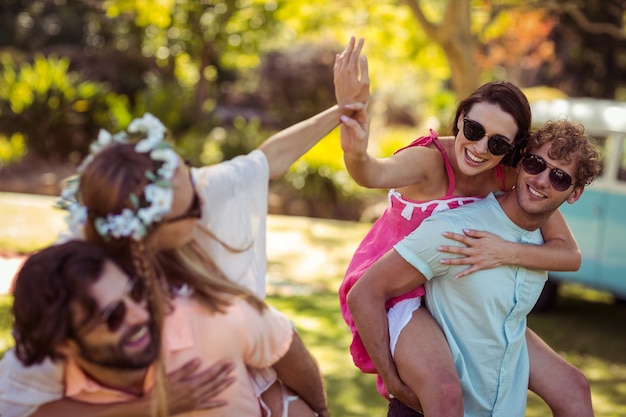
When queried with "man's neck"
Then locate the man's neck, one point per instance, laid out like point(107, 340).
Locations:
point(510, 206)
point(129, 381)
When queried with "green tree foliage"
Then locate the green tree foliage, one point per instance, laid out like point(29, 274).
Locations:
point(53, 109)
point(590, 46)
point(208, 43)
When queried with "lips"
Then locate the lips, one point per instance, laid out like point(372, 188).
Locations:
point(139, 337)
point(473, 157)
point(536, 193)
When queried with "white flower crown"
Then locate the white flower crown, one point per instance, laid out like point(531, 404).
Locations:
point(133, 223)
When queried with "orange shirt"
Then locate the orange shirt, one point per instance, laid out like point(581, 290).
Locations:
point(242, 335)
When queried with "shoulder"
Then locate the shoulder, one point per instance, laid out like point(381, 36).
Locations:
point(428, 155)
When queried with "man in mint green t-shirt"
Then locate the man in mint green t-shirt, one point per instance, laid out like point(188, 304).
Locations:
point(482, 315)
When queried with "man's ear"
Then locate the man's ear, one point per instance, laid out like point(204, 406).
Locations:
point(575, 195)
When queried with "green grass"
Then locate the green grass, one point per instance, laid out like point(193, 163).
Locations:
point(307, 258)
point(28, 222)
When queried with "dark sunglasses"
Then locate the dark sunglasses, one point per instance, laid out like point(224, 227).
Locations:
point(497, 144)
point(113, 315)
point(534, 164)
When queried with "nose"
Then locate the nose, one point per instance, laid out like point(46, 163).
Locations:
point(482, 144)
point(543, 178)
point(136, 313)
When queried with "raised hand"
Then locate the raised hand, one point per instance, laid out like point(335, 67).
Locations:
point(355, 131)
point(351, 75)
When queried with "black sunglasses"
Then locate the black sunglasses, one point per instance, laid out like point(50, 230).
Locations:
point(534, 164)
point(113, 315)
point(497, 144)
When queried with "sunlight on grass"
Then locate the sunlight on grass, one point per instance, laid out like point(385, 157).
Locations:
point(319, 323)
point(6, 340)
point(584, 293)
point(29, 224)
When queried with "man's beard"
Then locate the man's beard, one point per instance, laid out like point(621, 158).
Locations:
point(115, 356)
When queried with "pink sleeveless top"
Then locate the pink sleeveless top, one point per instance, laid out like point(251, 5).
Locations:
point(400, 218)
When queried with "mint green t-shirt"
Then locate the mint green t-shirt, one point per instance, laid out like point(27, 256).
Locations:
point(483, 315)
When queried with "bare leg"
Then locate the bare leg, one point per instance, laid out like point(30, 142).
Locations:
point(425, 364)
point(561, 385)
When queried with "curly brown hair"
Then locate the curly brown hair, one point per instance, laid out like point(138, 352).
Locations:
point(571, 144)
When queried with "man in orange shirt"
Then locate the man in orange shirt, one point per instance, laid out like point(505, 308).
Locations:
point(74, 303)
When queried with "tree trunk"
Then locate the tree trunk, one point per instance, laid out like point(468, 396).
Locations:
point(454, 36)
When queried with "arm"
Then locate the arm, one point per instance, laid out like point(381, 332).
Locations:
point(298, 370)
point(366, 301)
point(484, 250)
point(410, 167)
point(186, 392)
point(286, 146)
point(352, 83)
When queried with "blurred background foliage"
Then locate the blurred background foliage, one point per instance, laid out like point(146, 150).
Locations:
point(224, 75)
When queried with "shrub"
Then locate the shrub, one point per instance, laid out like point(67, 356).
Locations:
point(56, 111)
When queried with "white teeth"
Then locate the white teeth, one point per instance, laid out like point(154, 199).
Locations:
point(536, 193)
point(141, 333)
point(473, 157)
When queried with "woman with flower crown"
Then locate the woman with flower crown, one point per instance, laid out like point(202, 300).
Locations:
point(182, 230)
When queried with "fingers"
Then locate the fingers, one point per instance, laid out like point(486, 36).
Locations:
point(353, 125)
point(466, 272)
point(354, 106)
point(354, 56)
point(365, 76)
point(218, 370)
point(350, 57)
point(212, 404)
point(207, 386)
point(457, 237)
point(343, 58)
point(187, 369)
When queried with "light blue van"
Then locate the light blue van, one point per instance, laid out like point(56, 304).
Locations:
point(598, 218)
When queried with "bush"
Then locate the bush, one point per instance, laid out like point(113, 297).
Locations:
point(298, 83)
point(56, 111)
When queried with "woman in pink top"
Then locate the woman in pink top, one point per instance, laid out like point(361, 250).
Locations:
point(434, 174)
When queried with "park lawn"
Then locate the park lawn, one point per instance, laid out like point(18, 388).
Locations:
point(307, 258)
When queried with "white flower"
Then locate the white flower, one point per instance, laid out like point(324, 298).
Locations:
point(104, 139)
point(152, 127)
point(170, 161)
point(76, 217)
point(161, 199)
point(133, 223)
point(71, 188)
point(122, 225)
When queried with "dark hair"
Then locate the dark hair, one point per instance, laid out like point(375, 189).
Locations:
point(569, 143)
point(511, 100)
point(46, 286)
